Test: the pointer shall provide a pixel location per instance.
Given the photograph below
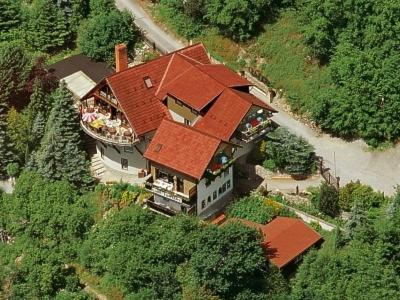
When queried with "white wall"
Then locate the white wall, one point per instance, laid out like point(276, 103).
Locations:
point(203, 191)
point(112, 158)
point(176, 117)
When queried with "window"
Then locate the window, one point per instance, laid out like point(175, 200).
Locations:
point(228, 184)
point(203, 204)
point(187, 122)
point(128, 149)
point(124, 164)
point(179, 102)
point(215, 195)
point(147, 82)
point(209, 199)
point(194, 111)
point(224, 187)
point(184, 209)
point(179, 185)
point(226, 173)
point(102, 152)
point(220, 191)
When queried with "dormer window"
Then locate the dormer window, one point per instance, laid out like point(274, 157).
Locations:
point(148, 82)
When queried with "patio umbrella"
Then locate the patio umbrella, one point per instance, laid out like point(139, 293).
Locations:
point(89, 117)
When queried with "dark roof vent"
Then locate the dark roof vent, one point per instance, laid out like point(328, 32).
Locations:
point(148, 82)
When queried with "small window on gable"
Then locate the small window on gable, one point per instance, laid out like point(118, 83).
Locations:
point(194, 111)
point(148, 82)
point(178, 102)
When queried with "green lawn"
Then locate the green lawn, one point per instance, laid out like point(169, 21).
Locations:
point(278, 52)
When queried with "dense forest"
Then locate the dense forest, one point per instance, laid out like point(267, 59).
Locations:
point(56, 239)
point(355, 44)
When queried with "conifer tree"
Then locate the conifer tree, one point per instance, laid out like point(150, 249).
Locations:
point(6, 154)
point(39, 101)
point(46, 28)
point(38, 129)
point(60, 155)
point(10, 18)
point(15, 66)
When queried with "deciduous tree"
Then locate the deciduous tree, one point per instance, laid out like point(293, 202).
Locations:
point(99, 35)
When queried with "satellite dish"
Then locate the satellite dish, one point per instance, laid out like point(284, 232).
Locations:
point(260, 111)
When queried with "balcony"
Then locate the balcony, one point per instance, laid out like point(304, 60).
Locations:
point(101, 127)
point(167, 210)
point(254, 129)
point(165, 189)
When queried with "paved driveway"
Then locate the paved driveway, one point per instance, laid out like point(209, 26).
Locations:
point(353, 160)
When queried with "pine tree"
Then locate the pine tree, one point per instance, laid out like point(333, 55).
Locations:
point(39, 101)
point(10, 18)
point(15, 66)
point(60, 155)
point(38, 129)
point(46, 28)
point(6, 155)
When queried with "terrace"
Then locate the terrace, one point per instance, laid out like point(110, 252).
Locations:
point(107, 125)
point(254, 125)
point(165, 187)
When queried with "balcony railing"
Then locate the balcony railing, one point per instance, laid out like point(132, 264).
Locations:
point(165, 209)
point(106, 137)
point(256, 131)
point(168, 193)
point(108, 98)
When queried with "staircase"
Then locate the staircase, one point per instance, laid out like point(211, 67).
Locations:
point(96, 165)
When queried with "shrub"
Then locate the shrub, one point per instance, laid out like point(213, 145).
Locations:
point(289, 153)
point(257, 209)
point(326, 199)
point(356, 192)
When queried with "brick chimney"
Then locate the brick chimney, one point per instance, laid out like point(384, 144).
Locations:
point(121, 57)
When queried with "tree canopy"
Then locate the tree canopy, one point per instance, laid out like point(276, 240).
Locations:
point(98, 36)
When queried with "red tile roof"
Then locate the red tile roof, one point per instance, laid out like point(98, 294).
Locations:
point(224, 75)
point(139, 103)
point(227, 112)
point(182, 148)
point(193, 87)
point(224, 116)
point(285, 238)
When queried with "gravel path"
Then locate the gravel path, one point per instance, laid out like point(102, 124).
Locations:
point(349, 160)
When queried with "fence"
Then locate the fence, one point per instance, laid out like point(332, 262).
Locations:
point(329, 178)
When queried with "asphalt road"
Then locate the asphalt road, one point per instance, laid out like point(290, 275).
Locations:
point(165, 42)
point(349, 160)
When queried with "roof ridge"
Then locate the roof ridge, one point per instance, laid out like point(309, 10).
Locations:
point(157, 58)
point(191, 58)
point(165, 74)
point(194, 129)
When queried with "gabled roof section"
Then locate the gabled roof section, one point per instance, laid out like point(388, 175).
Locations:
point(224, 75)
point(227, 112)
point(177, 65)
point(182, 148)
point(194, 88)
point(140, 103)
point(287, 238)
point(224, 116)
point(284, 238)
point(196, 52)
